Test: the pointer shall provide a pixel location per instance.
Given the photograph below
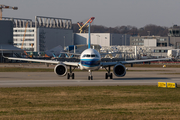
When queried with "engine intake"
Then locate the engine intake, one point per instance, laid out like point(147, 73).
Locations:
point(60, 70)
point(119, 70)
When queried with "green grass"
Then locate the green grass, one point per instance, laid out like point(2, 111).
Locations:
point(118, 102)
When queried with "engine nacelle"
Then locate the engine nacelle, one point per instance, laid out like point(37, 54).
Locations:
point(119, 70)
point(60, 70)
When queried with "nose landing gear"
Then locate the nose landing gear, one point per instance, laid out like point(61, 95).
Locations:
point(90, 77)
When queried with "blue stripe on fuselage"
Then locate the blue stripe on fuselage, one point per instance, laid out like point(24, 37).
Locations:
point(90, 59)
point(90, 62)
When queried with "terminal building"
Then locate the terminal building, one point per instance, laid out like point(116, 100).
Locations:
point(103, 39)
point(43, 34)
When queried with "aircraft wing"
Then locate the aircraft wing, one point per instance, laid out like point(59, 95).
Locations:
point(104, 64)
point(44, 61)
point(71, 53)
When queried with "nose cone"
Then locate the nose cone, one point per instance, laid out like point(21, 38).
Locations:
point(90, 52)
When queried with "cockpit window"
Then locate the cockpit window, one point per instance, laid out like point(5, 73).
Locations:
point(93, 55)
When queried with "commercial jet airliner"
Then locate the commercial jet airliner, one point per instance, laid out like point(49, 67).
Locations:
point(90, 60)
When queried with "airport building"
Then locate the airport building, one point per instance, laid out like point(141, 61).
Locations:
point(6, 40)
point(153, 41)
point(103, 39)
point(174, 35)
point(171, 40)
point(43, 34)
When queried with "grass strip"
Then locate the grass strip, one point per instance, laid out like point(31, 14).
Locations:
point(116, 102)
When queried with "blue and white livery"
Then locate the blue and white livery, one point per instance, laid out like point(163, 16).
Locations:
point(90, 60)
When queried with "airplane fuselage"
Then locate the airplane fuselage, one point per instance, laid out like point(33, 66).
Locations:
point(90, 59)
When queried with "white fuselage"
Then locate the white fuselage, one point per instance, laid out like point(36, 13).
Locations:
point(90, 59)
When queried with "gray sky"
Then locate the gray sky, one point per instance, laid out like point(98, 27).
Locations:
point(109, 13)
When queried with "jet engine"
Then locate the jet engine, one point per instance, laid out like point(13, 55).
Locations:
point(60, 69)
point(119, 70)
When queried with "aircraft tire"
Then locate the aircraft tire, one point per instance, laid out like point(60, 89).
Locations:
point(72, 75)
point(68, 76)
point(111, 76)
point(106, 76)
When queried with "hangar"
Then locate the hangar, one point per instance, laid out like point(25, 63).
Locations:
point(43, 34)
point(6, 40)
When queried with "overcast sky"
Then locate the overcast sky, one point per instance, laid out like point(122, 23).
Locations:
point(109, 13)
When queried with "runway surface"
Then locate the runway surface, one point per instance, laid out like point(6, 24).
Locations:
point(143, 76)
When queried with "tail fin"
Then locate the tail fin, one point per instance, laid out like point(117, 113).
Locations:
point(89, 40)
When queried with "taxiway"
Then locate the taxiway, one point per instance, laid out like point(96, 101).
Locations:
point(134, 76)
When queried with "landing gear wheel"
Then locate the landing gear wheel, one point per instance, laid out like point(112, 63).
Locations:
point(90, 77)
point(68, 76)
point(111, 76)
point(72, 75)
point(106, 76)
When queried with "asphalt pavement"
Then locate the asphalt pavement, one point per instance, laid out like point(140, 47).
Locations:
point(134, 76)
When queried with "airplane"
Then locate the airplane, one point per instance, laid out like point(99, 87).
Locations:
point(90, 60)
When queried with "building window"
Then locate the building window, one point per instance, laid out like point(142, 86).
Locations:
point(21, 35)
point(23, 30)
point(141, 43)
point(161, 39)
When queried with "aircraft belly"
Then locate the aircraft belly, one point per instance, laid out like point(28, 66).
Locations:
point(83, 67)
point(91, 68)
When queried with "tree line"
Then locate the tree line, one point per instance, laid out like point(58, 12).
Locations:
point(131, 30)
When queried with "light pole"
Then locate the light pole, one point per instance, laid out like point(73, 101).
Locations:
point(122, 39)
point(111, 39)
point(174, 43)
point(64, 41)
point(125, 39)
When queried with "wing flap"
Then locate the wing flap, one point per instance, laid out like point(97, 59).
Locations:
point(45, 61)
point(71, 63)
point(146, 60)
point(34, 60)
point(104, 64)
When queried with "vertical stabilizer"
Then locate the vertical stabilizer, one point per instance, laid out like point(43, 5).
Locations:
point(89, 40)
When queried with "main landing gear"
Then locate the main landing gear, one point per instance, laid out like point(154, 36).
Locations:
point(90, 77)
point(110, 75)
point(70, 74)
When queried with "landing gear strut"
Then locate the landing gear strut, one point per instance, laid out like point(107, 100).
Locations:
point(90, 77)
point(108, 74)
point(70, 74)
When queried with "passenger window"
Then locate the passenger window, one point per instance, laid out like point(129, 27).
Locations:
point(88, 56)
